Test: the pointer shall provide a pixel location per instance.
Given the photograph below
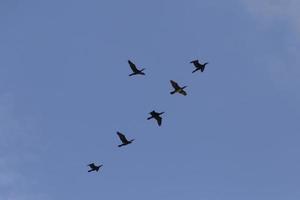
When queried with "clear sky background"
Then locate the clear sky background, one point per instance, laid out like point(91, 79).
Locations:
point(65, 91)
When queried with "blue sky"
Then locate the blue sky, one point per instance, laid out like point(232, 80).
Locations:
point(65, 91)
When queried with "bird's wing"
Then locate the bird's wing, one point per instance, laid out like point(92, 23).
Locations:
point(195, 70)
point(122, 137)
point(158, 119)
point(132, 66)
point(196, 63)
point(202, 68)
point(175, 85)
point(183, 92)
point(92, 166)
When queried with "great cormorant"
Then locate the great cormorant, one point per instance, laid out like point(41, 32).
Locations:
point(124, 140)
point(156, 116)
point(135, 70)
point(94, 167)
point(177, 88)
point(198, 65)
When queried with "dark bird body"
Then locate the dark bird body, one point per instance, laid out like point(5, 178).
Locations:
point(177, 88)
point(156, 116)
point(135, 70)
point(198, 65)
point(94, 167)
point(124, 140)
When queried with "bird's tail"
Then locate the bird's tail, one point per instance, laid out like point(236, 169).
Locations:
point(90, 170)
point(120, 145)
point(149, 118)
point(195, 70)
point(173, 92)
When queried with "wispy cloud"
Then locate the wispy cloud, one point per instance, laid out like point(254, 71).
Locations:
point(284, 69)
point(270, 10)
point(16, 151)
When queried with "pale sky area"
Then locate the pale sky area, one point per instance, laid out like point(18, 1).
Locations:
point(65, 91)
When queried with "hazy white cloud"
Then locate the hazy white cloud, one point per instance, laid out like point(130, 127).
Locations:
point(271, 10)
point(284, 70)
point(17, 149)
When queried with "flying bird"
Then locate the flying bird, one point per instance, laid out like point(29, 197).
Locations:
point(156, 116)
point(94, 167)
point(124, 140)
point(198, 65)
point(135, 70)
point(177, 88)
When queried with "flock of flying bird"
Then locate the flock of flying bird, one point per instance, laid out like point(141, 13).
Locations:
point(154, 115)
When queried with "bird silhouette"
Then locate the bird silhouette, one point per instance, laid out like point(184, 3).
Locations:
point(94, 167)
point(156, 116)
point(198, 65)
point(177, 88)
point(135, 70)
point(124, 139)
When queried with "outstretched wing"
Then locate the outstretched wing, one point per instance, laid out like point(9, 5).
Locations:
point(175, 85)
point(202, 68)
point(132, 66)
point(92, 166)
point(196, 63)
point(158, 119)
point(183, 92)
point(122, 137)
